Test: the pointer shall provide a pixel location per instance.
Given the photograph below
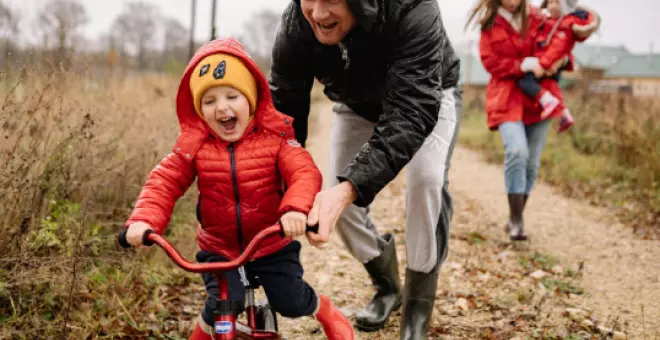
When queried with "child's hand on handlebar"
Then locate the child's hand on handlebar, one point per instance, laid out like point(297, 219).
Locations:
point(294, 224)
point(135, 233)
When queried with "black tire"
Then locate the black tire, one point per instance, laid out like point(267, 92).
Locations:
point(266, 318)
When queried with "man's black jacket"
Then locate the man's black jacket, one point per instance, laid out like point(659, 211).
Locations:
point(390, 69)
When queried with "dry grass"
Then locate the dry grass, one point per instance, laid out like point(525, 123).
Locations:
point(75, 150)
point(611, 156)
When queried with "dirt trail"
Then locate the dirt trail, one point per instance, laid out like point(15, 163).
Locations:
point(488, 288)
point(621, 273)
point(483, 271)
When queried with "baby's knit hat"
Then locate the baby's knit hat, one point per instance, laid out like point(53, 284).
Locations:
point(222, 69)
point(568, 6)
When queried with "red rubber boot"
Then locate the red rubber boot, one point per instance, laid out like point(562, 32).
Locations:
point(199, 334)
point(335, 325)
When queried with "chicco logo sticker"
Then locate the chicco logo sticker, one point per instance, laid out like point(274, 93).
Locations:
point(219, 71)
point(223, 327)
point(293, 143)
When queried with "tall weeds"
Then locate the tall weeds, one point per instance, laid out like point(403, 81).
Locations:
point(611, 156)
point(626, 131)
point(75, 149)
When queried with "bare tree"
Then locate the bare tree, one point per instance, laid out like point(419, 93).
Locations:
point(137, 26)
point(61, 20)
point(214, 11)
point(8, 30)
point(108, 50)
point(259, 36)
point(191, 38)
point(8, 20)
point(175, 48)
point(176, 35)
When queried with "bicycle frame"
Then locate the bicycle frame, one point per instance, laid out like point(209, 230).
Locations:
point(226, 327)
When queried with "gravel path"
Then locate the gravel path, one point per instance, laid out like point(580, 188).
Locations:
point(620, 275)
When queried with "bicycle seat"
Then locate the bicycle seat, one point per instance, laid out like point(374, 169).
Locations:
point(247, 283)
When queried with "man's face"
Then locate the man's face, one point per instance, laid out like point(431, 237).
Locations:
point(331, 20)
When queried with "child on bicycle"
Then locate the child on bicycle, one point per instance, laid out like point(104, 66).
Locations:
point(563, 25)
point(251, 173)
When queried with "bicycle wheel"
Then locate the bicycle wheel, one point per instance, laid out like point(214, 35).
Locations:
point(266, 318)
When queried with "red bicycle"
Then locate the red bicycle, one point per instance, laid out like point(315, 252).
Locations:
point(261, 319)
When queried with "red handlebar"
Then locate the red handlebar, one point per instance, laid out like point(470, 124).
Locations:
point(215, 266)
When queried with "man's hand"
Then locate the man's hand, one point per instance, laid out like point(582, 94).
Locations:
point(136, 232)
point(328, 206)
point(293, 223)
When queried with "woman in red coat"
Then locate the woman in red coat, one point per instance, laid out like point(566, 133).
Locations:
point(508, 32)
point(506, 46)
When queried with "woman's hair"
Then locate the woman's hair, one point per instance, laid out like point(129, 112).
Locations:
point(544, 4)
point(487, 10)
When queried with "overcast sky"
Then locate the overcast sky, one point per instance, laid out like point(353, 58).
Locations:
point(633, 23)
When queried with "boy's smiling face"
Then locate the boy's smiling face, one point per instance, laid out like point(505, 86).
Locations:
point(227, 112)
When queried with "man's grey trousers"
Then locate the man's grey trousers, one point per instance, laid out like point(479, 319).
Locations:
point(428, 202)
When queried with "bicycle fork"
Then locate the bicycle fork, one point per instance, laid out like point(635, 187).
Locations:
point(225, 316)
point(226, 326)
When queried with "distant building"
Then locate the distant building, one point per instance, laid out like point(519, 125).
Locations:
point(640, 75)
point(474, 76)
point(613, 69)
point(598, 68)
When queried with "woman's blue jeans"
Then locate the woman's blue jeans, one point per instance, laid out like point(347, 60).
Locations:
point(523, 146)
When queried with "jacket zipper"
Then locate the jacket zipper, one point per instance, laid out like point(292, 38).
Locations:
point(344, 55)
point(238, 201)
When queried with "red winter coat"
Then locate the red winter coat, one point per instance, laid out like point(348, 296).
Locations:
point(240, 184)
point(502, 50)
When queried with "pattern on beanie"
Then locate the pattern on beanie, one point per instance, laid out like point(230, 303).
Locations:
point(220, 70)
point(204, 70)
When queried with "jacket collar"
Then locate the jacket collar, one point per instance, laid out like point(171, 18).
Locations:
point(514, 20)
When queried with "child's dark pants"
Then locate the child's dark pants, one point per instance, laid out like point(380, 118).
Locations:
point(529, 84)
point(280, 275)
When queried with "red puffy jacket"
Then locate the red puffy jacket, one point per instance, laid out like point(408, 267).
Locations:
point(502, 50)
point(563, 39)
point(240, 184)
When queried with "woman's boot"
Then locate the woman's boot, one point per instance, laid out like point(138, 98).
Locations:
point(335, 325)
point(515, 227)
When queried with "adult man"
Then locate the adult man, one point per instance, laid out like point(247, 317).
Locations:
point(392, 72)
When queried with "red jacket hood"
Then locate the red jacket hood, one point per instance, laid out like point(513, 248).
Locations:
point(194, 129)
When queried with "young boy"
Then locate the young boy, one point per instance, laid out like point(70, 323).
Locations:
point(563, 26)
point(240, 149)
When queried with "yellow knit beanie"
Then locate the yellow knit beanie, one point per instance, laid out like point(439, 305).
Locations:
point(222, 69)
